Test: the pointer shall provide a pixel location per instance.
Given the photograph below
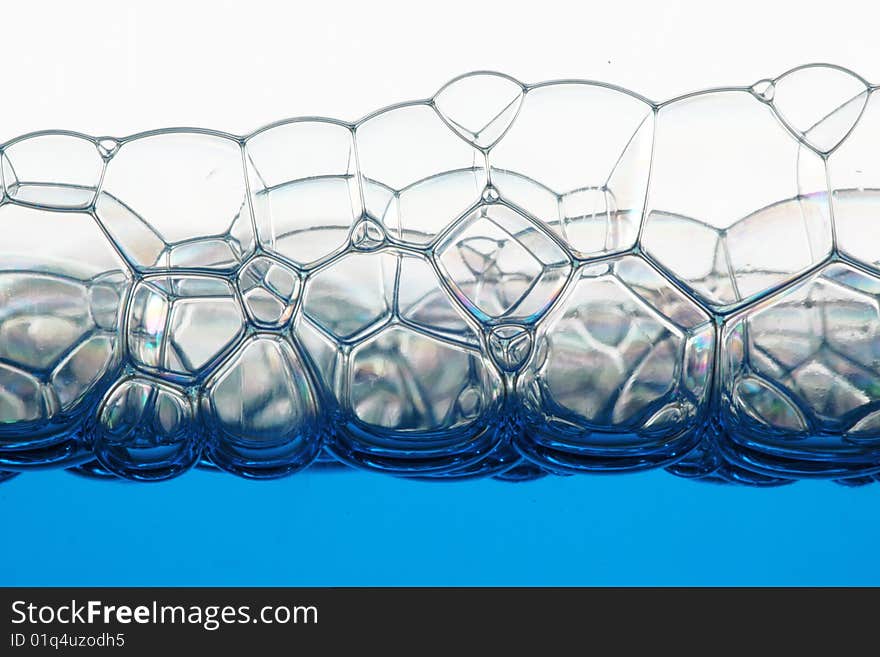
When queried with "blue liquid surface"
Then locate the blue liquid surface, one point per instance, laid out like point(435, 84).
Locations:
point(357, 528)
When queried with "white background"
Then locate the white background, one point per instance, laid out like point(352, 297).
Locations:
point(113, 68)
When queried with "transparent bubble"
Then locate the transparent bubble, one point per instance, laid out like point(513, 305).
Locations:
point(502, 265)
point(304, 188)
point(269, 291)
point(417, 174)
point(730, 231)
point(146, 431)
point(53, 170)
point(504, 280)
point(179, 326)
point(177, 199)
point(60, 304)
point(261, 411)
point(800, 376)
point(608, 386)
point(411, 388)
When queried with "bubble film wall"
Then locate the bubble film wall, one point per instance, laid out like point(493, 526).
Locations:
point(503, 280)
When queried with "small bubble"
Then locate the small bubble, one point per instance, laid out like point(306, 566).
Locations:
point(107, 147)
point(491, 194)
point(269, 290)
point(764, 90)
point(510, 346)
point(367, 235)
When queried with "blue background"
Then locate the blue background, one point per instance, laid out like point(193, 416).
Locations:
point(353, 528)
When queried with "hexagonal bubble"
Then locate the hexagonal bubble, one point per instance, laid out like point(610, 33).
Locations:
point(59, 310)
point(178, 199)
point(423, 303)
point(145, 430)
point(261, 411)
point(269, 291)
point(819, 103)
point(353, 294)
point(180, 326)
point(480, 107)
point(800, 380)
point(356, 295)
point(854, 178)
point(502, 265)
point(52, 170)
point(417, 402)
point(411, 390)
point(620, 374)
point(405, 381)
point(304, 188)
point(750, 228)
point(360, 293)
point(418, 175)
point(578, 158)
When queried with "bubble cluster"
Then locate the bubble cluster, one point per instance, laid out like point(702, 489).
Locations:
point(503, 280)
